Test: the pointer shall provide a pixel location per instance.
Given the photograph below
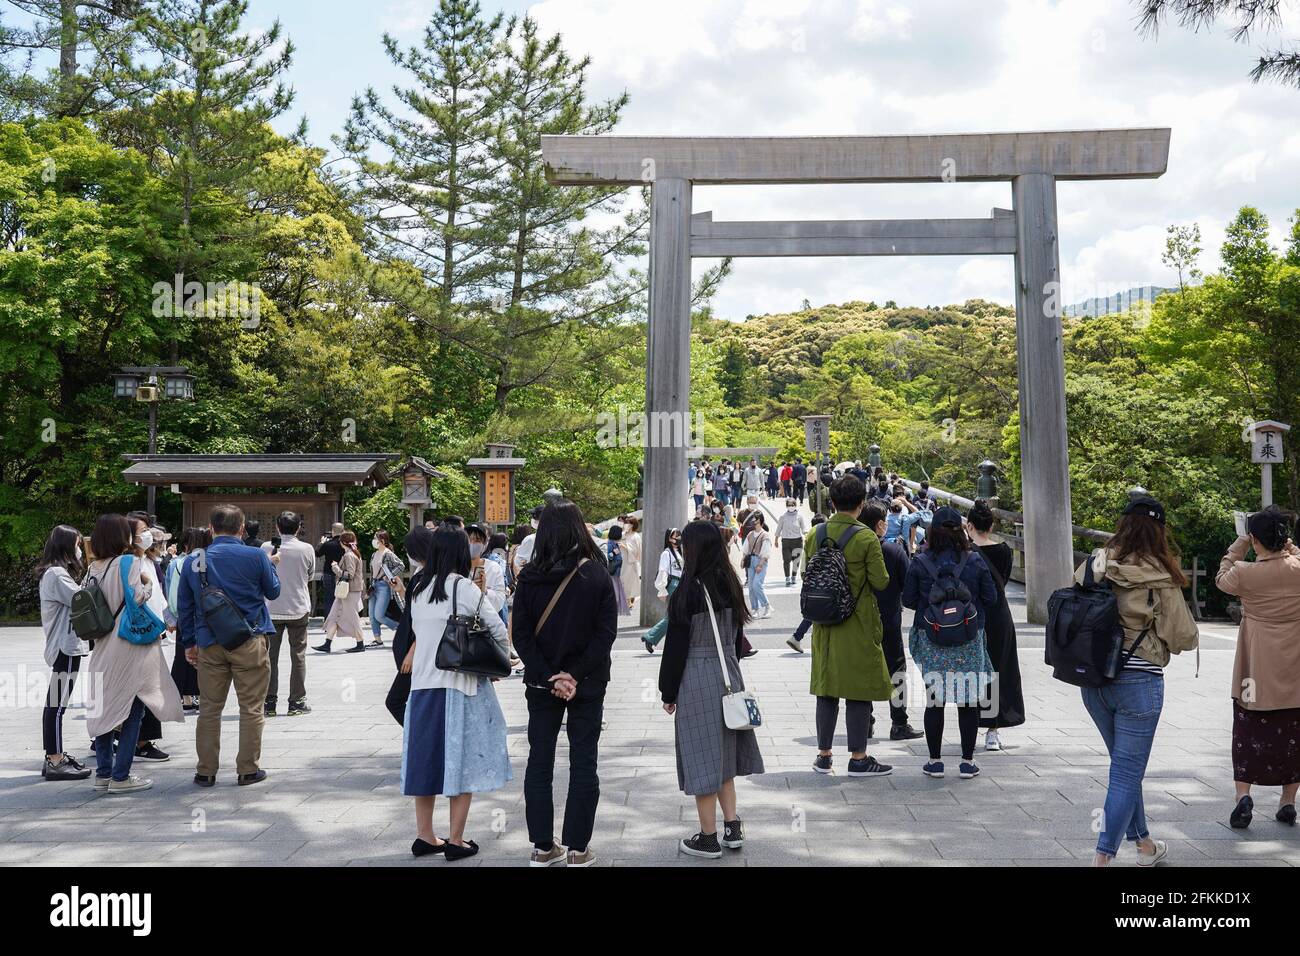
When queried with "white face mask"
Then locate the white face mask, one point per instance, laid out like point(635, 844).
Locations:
point(533, 522)
point(375, 543)
point(475, 549)
point(77, 551)
point(144, 540)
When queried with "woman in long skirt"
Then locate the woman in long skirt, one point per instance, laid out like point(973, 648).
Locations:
point(710, 755)
point(345, 613)
point(454, 733)
point(1266, 675)
point(999, 631)
point(615, 557)
point(631, 560)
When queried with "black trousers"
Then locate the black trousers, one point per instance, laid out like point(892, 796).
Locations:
point(968, 724)
point(62, 679)
point(545, 712)
point(856, 715)
point(892, 644)
point(327, 583)
point(788, 547)
point(800, 489)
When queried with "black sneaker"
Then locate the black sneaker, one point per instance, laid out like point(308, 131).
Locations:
point(733, 834)
point(869, 767)
point(904, 732)
point(355, 649)
point(323, 648)
point(703, 845)
point(1285, 813)
point(298, 707)
point(1242, 813)
point(822, 764)
point(150, 752)
point(268, 708)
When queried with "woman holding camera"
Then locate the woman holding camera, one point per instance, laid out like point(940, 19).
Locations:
point(1266, 675)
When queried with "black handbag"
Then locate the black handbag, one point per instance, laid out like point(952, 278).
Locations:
point(468, 647)
point(224, 620)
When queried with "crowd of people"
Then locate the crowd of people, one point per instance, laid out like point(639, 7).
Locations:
point(475, 607)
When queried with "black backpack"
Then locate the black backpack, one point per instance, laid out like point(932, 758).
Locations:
point(615, 556)
point(1085, 638)
point(91, 617)
point(826, 596)
point(224, 619)
point(950, 617)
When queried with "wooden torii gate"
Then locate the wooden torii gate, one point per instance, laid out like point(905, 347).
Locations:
point(1032, 162)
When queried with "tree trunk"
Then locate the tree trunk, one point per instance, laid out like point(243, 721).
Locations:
point(68, 39)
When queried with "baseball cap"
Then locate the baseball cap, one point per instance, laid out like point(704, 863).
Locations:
point(946, 517)
point(1146, 505)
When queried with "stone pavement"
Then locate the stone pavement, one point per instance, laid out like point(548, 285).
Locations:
point(332, 797)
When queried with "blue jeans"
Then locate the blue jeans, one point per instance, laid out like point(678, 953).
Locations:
point(118, 766)
point(1126, 712)
point(380, 595)
point(658, 630)
point(757, 598)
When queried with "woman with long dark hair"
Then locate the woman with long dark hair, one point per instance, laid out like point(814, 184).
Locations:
point(999, 629)
point(666, 581)
point(564, 623)
point(454, 734)
point(960, 675)
point(1147, 580)
point(1266, 673)
point(710, 755)
point(419, 546)
point(60, 571)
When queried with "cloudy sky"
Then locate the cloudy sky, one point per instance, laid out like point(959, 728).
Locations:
point(798, 67)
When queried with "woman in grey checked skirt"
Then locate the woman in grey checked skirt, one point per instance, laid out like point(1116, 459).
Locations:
point(709, 754)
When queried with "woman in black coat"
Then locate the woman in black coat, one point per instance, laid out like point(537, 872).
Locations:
point(999, 630)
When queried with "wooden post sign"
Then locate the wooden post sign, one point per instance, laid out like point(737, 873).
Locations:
point(1266, 450)
point(496, 487)
point(415, 488)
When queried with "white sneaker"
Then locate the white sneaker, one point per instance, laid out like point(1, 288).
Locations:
point(1151, 859)
point(992, 741)
point(130, 784)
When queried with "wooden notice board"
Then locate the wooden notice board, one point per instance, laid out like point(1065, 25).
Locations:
point(496, 496)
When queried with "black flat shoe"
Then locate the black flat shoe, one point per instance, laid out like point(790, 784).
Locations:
point(424, 847)
point(1242, 813)
point(355, 649)
point(1286, 814)
point(323, 648)
point(202, 781)
point(248, 779)
point(455, 851)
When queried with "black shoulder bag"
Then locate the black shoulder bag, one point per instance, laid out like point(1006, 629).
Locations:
point(468, 647)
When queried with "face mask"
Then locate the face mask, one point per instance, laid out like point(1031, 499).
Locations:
point(77, 551)
point(144, 540)
point(475, 549)
point(533, 522)
point(374, 543)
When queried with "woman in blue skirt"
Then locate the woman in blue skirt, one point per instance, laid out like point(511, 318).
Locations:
point(454, 735)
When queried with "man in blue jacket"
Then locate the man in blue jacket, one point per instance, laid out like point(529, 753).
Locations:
point(248, 578)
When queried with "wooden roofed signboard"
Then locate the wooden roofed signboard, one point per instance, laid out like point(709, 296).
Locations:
point(496, 489)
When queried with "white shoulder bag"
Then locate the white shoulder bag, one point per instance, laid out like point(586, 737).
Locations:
point(739, 710)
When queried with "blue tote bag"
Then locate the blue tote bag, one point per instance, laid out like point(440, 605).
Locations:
point(139, 624)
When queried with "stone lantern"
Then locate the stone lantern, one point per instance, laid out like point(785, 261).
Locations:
point(873, 456)
point(986, 486)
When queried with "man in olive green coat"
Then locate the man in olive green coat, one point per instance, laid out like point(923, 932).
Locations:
point(848, 661)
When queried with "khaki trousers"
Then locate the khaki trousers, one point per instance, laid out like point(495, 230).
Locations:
point(248, 667)
point(297, 633)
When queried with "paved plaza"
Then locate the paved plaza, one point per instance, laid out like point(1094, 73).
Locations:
point(333, 799)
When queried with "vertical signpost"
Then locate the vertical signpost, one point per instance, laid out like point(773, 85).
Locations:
point(496, 485)
point(415, 488)
point(1266, 451)
point(817, 439)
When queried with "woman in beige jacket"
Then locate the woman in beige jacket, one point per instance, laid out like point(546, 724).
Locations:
point(123, 679)
point(345, 613)
point(1266, 676)
point(1144, 575)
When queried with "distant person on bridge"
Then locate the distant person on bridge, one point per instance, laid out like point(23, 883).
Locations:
point(799, 480)
point(758, 557)
point(753, 480)
point(666, 581)
point(787, 479)
point(773, 481)
point(890, 600)
point(1266, 674)
point(790, 530)
point(722, 484)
